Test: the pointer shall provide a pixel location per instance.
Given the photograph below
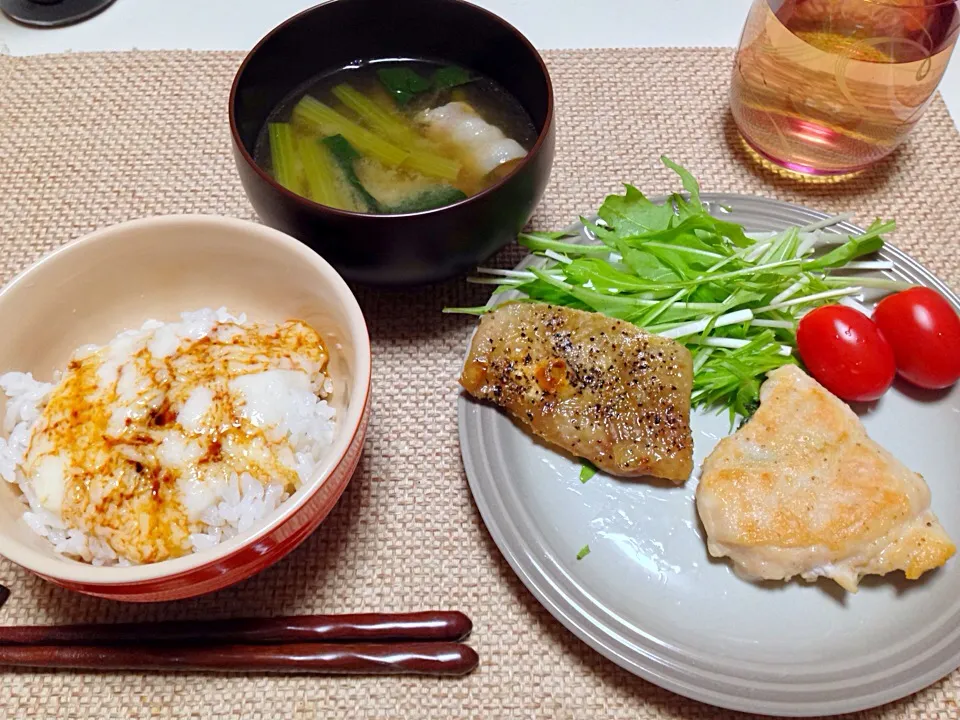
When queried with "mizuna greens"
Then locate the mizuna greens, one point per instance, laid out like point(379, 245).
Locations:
point(674, 269)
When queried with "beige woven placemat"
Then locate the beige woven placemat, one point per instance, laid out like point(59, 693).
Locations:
point(89, 140)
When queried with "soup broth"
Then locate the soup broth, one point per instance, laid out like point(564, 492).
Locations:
point(395, 136)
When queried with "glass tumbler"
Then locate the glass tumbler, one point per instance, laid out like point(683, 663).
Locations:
point(828, 87)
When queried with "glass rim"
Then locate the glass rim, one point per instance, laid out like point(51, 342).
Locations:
point(912, 4)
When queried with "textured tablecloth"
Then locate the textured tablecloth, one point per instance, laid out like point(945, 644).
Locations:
point(90, 140)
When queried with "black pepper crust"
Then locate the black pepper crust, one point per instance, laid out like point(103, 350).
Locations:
point(601, 388)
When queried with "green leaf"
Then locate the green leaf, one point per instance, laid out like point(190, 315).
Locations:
point(450, 76)
point(689, 182)
point(429, 198)
point(345, 155)
point(584, 551)
point(869, 242)
point(632, 213)
point(542, 235)
point(686, 228)
point(587, 470)
point(541, 241)
point(672, 258)
point(603, 276)
point(341, 148)
point(733, 232)
point(403, 83)
point(611, 305)
point(551, 295)
point(479, 310)
point(647, 266)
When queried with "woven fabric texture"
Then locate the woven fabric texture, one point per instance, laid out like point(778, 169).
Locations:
point(89, 140)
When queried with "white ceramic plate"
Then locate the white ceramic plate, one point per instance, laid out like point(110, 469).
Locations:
point(650, 598)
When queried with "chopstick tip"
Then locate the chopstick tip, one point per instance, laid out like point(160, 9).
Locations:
point(469, 659)
point(462, 624)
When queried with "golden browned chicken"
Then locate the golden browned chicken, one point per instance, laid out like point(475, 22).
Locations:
point(801, 490)
point(599, 388)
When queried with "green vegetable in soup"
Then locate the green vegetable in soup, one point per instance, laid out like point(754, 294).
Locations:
point(432, 164)
point(397, 131)
point(356, 138)
point(405, 84)
point(388, 124)
point(344, 154)
point(324, 119)
point(449, 77)
point(433, 197)
point(284, 158)
point(323, 175)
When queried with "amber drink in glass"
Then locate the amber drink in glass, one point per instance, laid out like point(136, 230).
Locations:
point(828, 87)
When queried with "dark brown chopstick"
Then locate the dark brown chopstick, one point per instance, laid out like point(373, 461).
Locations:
point(434, 658)
point(4, 595)
point(431, 626)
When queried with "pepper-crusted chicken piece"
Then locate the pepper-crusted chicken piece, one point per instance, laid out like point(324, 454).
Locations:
point(599, 388)
point(802, 490)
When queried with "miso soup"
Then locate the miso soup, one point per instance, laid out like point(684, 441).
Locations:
point(395, 136)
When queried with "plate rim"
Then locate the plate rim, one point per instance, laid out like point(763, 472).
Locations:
point(597, 633)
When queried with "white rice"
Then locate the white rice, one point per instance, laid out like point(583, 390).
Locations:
point(289, 406)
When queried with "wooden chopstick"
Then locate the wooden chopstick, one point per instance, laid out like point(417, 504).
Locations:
point(433, 626)
point(433, 658)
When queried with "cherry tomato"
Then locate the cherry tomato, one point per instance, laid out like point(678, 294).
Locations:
point(924, 331)
point(846, 353)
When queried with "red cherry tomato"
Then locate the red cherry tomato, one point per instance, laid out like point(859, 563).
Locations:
point(924, 331)
point(846, 353)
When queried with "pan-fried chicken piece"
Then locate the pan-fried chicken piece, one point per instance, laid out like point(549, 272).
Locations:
point(600, 388)
point(801, 490)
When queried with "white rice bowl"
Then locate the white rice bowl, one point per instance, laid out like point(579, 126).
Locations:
point(289, 404)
